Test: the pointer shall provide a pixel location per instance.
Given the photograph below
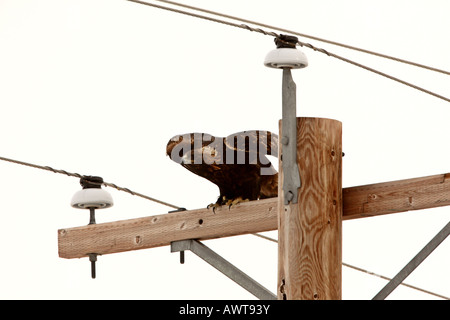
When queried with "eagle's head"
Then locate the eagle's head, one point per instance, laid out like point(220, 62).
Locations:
point(194, 148)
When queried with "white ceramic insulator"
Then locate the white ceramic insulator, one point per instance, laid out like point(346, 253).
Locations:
point(91, 198)
point(286, 58)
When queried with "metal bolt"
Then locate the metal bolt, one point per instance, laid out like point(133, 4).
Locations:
point(182, 257)
point(91, 215)
point(289, 196)
point(93, 259)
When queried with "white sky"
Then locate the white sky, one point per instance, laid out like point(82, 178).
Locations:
point(98, 87)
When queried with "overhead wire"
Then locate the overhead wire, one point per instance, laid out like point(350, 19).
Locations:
point(339, 44)
point(77, 175)
point(370, 273)
point(303, 44)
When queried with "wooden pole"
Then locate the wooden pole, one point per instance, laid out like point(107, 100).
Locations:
point(310, 231)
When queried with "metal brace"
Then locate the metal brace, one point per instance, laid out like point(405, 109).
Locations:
point(223, 266)
point(291, 181)
point(414, 263)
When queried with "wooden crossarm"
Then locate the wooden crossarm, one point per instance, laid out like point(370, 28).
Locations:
point(245, 218)
point(160, 230)
point(397, 196)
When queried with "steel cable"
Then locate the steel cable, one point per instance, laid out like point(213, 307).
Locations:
point(77, 175)
point(307, 45)
point(412, 63)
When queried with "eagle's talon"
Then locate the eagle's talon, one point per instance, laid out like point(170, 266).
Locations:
point(236, 201)
point(214, 206)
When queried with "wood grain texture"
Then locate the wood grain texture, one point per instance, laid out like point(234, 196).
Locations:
point(310, 232)
point(160, 230)
point(397, 196)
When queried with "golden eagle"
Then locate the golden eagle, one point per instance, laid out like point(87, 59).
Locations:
point(237, 164)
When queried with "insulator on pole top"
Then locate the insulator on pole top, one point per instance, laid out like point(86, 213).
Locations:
point(286, 55)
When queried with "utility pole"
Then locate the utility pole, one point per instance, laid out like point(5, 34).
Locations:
point(310, 203)
point(310, 231)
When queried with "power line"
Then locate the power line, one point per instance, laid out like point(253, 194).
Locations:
point(370, 273)
point(77, 175)
point(389, 279)
point(382, 55)
point(307, 45)
point(376, 72)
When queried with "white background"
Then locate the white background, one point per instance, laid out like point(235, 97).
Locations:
point(98, 87)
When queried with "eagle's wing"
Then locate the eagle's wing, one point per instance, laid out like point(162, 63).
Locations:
point(253, 147)
point(263, 142)
point(258, 144)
